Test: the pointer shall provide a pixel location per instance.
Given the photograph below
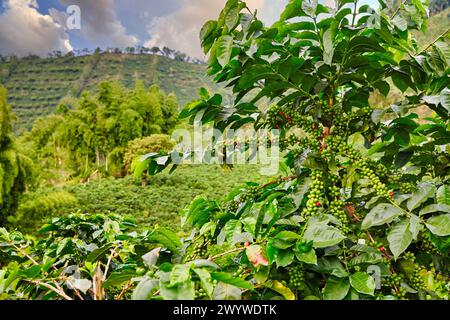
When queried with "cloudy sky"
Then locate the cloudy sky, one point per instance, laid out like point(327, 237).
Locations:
point(40, 26)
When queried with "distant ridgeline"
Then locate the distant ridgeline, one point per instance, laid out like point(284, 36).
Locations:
point(37, 85)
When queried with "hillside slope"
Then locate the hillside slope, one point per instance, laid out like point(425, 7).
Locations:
point(36, 85)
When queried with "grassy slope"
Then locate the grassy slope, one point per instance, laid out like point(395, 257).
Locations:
point(36, 85)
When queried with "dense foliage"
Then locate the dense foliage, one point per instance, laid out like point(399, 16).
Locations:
point(363, 212)
point(93, 134)
point(16, 168)
point(367, 195)
point(92, 257)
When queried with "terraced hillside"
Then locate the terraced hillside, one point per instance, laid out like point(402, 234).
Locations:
point(36, 85)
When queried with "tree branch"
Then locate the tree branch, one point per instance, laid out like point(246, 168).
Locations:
point(58, 290)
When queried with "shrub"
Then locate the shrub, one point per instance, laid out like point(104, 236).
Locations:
point(141, 146)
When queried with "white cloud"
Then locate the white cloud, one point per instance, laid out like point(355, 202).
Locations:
point(100, 25)
point(180, 29)
point(24, 30)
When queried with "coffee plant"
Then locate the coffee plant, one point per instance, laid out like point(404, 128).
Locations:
point(365, 211)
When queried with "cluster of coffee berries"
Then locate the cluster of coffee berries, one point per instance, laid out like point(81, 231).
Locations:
point(232, 206)
point(241, 272)
point(326, 107)
point(381, 170)
point(296, 277)
point(337, 206)
point(400, 293)
point(379, 187)
point(362, 114)
point(314, 144)
point(352, 155)
point(409, 256)
point(335, 143)
point(327, 154)
point(200, 250)
point(297, 152)
point(406, 187)
point(200, 294)
point(426, 244)
point(416, 281)
point(301, 121)
point(316, 193)
point(336, 209)
point(315, 131)
point(365, 111)
point(277, 117)
point(338, 145)
point(250, 194)
point(340, 121)
point(393, 281)
point(291, 140)
point(294, 140)
point(394, 177)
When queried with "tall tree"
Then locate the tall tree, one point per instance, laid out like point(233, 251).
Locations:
point(15, 168)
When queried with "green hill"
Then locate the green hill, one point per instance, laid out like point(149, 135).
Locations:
point(36, 85)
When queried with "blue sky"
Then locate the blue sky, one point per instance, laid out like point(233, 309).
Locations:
point(38, 26)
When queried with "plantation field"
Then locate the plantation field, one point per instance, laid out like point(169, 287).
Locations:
point(158, 201)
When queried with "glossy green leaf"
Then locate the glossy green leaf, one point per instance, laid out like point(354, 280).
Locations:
point(281, 289)
point(205, 280)
point(309, 257)
point(229, 279)
point(363, 283)
point(443, 195)
point(185, 291)
point(381, 214)
point(399, 237)
point(439, 225)
point(145, 289)
point(422, 194)
point(224, 291)
point(180, 274)
point(224, 49)
point(336, 289)
point(435, 208)
point(323, 236)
